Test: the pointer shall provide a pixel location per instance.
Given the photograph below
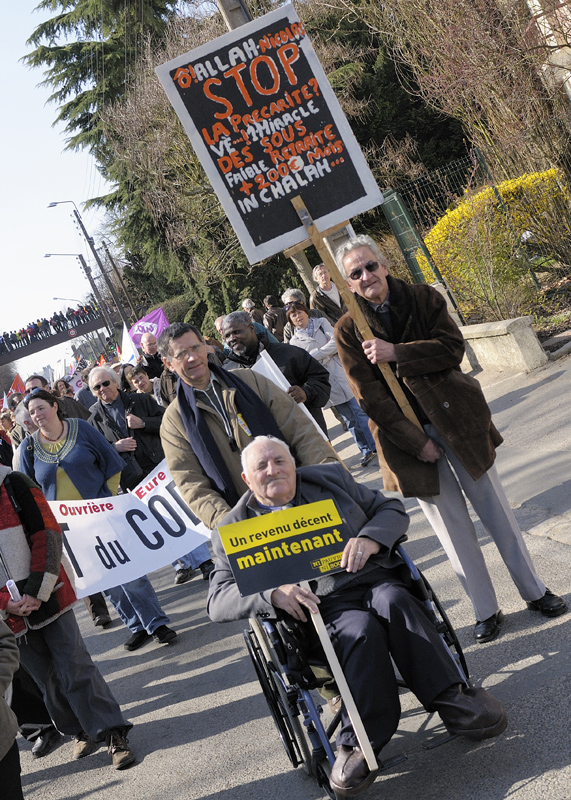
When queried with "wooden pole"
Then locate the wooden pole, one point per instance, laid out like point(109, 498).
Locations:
point(343, 687)
point(321, 246)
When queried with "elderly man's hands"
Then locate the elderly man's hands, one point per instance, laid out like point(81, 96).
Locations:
point(291, 598)
point(378, 351)
point(430, 453)
point(126, 445)
point(357, 552)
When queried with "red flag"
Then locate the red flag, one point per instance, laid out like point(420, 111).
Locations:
point(17, 386)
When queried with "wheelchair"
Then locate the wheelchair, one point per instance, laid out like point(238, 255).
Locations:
point(295, 712)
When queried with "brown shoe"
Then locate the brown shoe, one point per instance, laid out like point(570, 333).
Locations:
point(470, 712)
point(83, 746)
point(335, 703)
point(350, 774)
point(118, 749)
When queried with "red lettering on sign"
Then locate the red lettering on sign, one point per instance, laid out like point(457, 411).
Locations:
point(222, 100)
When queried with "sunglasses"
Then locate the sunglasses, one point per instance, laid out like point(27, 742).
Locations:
point(30, 394)
point(291, 306)
point(370, 266)
point(98, 386)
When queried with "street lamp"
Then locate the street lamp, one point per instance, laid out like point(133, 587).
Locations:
point(91, 243)
point(87, 271)
point(69, 299)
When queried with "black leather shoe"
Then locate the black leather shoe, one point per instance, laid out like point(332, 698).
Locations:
point(102, 621)
point(350, 774)
point(164, 635)
point(137, 640)
point(471, 712)
point(46, 742)
point(550, 605)
point(489, 628)
point(206, 568)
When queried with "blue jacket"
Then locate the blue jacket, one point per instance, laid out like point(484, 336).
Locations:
point(86, 457)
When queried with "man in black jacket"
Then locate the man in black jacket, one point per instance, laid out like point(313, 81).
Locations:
point(309, 380)
point(130, 422)
point(150, 359)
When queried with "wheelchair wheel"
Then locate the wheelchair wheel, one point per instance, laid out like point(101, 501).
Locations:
point(446, 629)
point(281, 700)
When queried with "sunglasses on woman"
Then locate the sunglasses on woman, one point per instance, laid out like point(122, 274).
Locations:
point(370, 266)
point(293, 306)
point(98, 386)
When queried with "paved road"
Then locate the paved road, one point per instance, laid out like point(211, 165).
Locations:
point(201, 727)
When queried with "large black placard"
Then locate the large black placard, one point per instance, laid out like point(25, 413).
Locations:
point(266, 125)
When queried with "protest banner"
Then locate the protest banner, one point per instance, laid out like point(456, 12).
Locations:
point(266, 125)
point(114, 540)
point(288, 546)
point(155, 322)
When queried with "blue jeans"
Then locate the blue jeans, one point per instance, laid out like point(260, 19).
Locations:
point(358, 423)
point(137, 605)
point(193, 559)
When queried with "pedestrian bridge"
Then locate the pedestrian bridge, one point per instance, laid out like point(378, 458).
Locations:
point(64, 337)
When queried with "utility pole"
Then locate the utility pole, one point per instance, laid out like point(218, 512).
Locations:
point(120, 279)
point(101, 305)
point(91, 243)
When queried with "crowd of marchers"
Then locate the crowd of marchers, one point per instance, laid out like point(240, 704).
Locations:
point(238, 446)
point(43, 328)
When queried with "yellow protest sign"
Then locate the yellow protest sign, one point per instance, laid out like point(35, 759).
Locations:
point(286, 546)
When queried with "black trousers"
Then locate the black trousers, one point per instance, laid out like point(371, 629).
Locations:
point(29, 707)
point(96, 605)
point(368, 622)
point(10, 775)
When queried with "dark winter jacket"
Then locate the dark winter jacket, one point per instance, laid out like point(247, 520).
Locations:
point(429, 348)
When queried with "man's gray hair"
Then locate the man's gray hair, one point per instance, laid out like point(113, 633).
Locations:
point(237, 317)
point(261, 440)
point(248, 304)
point(109, 371)
point(319, 266)
point(359, 241)
point(22, 415)
point(295, 294)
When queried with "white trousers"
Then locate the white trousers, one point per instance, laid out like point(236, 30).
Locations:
point(448, 516)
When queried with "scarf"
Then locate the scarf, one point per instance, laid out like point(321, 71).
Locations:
point(256, 415)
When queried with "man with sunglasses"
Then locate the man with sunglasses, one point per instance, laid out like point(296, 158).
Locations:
point(454, 451)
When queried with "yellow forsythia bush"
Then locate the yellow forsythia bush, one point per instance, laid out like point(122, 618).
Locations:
point(477, 245)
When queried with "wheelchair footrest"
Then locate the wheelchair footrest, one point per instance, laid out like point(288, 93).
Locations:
point(437, 740)
point(388, 763)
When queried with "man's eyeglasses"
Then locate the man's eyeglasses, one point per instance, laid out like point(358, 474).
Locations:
point(370, 266)
point(98, 386)
point(30, 391)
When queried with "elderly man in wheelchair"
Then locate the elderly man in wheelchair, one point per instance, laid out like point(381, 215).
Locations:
point(368, 608)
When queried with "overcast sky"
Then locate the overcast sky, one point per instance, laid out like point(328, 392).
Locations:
point(36, 172)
